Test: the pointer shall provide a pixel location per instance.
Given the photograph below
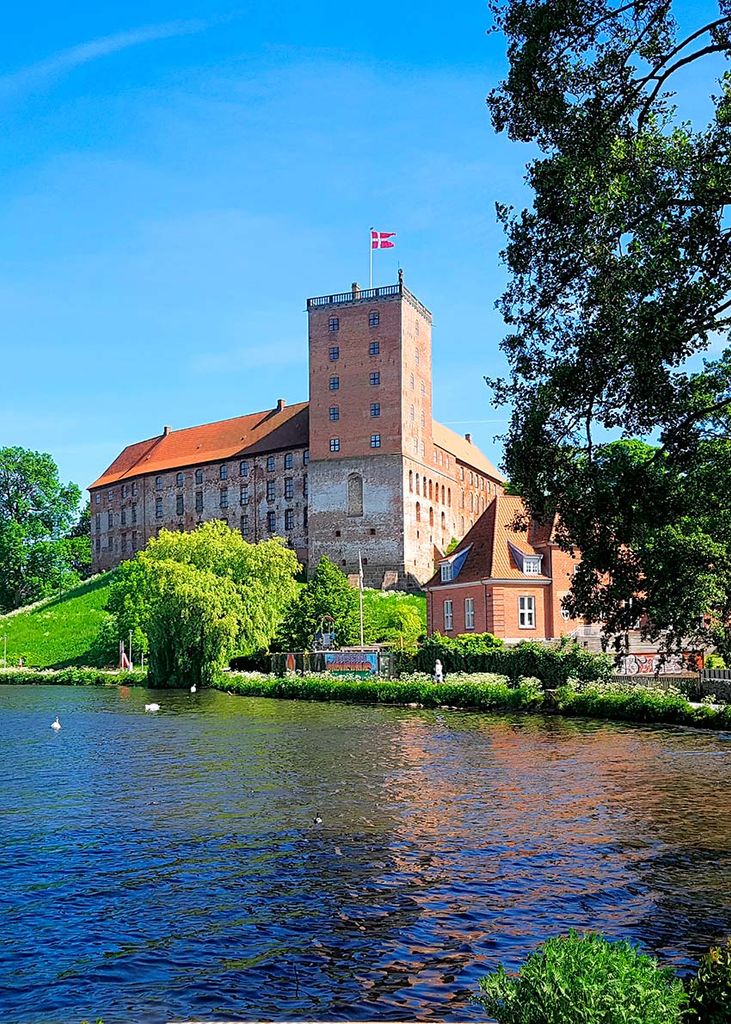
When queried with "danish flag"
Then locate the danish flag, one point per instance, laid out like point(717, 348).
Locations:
point(380, 239)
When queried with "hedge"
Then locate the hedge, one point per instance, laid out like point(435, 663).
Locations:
point(554, 664)
point(626, 702)
point(72, 677)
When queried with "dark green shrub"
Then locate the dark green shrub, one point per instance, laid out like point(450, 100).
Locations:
point(585, 979)
point(72, 677)
point(710, 990)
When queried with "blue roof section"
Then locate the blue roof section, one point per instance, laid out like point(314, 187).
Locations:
point(458, 561)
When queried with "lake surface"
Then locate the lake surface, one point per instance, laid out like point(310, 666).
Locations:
point(168, 866)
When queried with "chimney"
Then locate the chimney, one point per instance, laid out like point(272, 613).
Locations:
point(280, 404)
point(166, 430)
point(468, 437)
point(355, 288)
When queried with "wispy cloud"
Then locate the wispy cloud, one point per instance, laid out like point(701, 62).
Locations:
point(37, 74)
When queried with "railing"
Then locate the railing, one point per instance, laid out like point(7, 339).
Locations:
point(363, 295)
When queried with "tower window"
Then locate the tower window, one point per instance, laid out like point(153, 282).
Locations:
point(333, 324)
point(199, 476)
point(245, 526)
point(334, 413)
point(271, 490)
point(334, 383)
point(244, 494)
point(158, 508)
point(179, 506)
point(375, 408)
point(289, 519)
point(288, 460)
point(223, 472)
point(375, 440)
point(199, 501)
point(271, 521)
point(374, 318)
point(271, 464)
point(134, 512)
point(110, 520)
point(158, 483)
point(244, 468)
point(334, 444)
point(333, 353)
point(374, 349)
point(376, 378)
point(288, 488)
point(223, 501)
point(179, 479)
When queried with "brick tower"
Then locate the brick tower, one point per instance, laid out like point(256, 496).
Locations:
point(370, 432)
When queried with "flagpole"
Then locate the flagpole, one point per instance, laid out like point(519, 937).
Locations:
point(370, 259)
point(360, 594)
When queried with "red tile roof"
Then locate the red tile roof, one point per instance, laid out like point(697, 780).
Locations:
point(463, 450)
point(490, 542)
point(271, 430)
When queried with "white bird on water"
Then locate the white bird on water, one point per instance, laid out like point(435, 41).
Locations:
point(56, 725)
point(152, 707)
point(193, 688)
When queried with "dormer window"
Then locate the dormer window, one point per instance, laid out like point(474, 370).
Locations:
point(446, 568)
point(532, 565)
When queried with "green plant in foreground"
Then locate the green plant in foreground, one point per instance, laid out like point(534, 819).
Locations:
point(585, 979)
point(710, 989)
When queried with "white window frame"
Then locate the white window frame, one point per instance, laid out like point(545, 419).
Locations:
point(446, 572)
point(532, 565)
point(469, 613)
point(527, 611)
point(448, 616)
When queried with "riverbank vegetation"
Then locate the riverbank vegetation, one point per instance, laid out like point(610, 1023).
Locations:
point(590, 979)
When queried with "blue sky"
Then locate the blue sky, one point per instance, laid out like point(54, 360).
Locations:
point(176, 179)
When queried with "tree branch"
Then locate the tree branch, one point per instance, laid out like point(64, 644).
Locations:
point(644, 112)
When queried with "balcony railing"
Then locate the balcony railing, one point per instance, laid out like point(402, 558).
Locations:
point(367, 295)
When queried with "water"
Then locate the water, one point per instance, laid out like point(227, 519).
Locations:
point(169, 867)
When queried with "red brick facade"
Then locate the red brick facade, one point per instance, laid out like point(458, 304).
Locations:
point(503, 581)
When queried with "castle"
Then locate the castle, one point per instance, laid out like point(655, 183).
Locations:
point(361, 470)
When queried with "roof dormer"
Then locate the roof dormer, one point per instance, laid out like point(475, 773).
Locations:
point(449, 567)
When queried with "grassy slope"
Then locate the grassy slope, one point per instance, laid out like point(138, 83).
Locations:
point(60, 631)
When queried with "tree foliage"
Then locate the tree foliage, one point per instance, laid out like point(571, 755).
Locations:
point(41, 551)
point(326, 594)
point(197, 599)
point(620, 277)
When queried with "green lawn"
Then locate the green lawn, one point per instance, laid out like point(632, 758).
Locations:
point(59, 632)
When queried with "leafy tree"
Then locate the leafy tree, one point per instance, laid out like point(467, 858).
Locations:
point(197, 599)
point(37, 514)
point(327, 593)
point(394, 618)
point(620, 279)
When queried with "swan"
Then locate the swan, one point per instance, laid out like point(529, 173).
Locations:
point(193, 688)
point(56, 725)
point(152, 707)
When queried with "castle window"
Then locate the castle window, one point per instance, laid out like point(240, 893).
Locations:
point(374, 349)
point(417, 483)
point(375, 440)
point(469, 613)
point(527, 612)
point(179, 479)
point(179, 506)
point(110, 495)
point(199, 476)
point(333, 324)
point(411, 480)
point(355, 494)
point(334, 383)
point(444, 521)
point(375, 408)
point(134, 489)
point(158, 508)
point(110, 520)
point(305, 456)
point(431, 517)
point(411, 382)
point(289, 519)
point(376, 378)
point(125, 490)
point(334, 353)
point(271, 522)
point(374, 318)
point(334, 413)
point(244, 468)
point(134, 540)
point(288, 488)
point(271, 464)
point(199, 501)
point(98, 498)
point(418, 512)
point(245, 526)
point(223, 501)
point(123, 517)
point(271, 490)
point(223, 472)
point(124, 542)
point(448, 619)
point(134, 513)
point(158, 483)
point(244, 494)
point(98, 544)
point(288, 460)
point(334, 444)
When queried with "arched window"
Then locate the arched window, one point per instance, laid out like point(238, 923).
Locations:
point(443, 493)
point(449, 497)
point(355, 494)
point(431, 516)
point(430, 491)
point(411, 480)
point(417, 483)
point(444, 522)
point(418, 512)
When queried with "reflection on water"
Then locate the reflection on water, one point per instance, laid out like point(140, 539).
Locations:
point(169, 866)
